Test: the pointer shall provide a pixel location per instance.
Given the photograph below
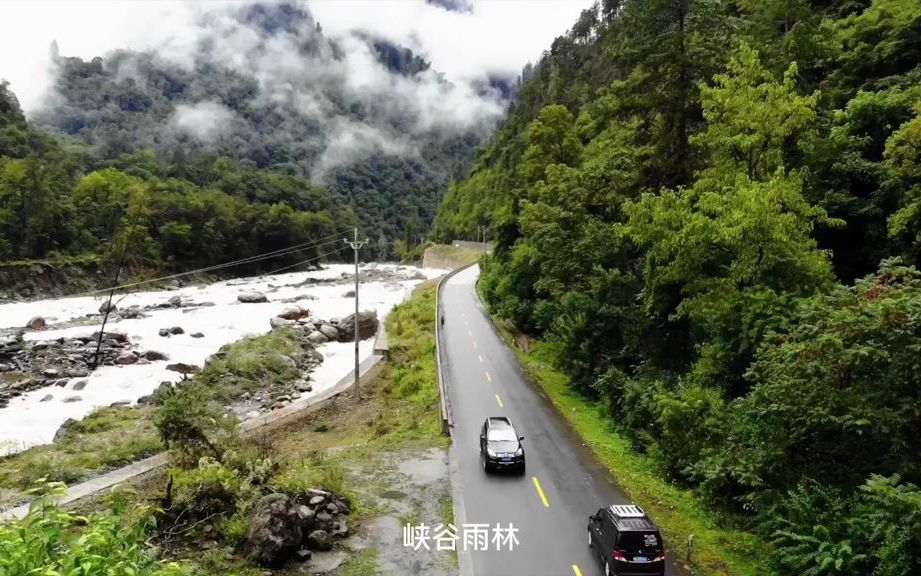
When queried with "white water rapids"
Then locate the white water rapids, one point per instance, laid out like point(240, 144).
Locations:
point(28, 422)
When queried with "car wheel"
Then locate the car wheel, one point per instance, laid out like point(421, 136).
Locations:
point(607, 568)
point(486, 465)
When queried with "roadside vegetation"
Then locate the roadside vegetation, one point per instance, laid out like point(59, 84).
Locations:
point(679, 513)
point(709, 216)
point(449, 257)
point(194, 517)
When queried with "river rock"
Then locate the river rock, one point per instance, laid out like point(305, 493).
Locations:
point(349, 294)
point(277, 322)
point(36, 323)
point(72, 399)
point(176, 330)
point(62, 429)
point(329, 331)
point(367, 326)
point(182, 368)
point(163, 332)
point(197, 335)
point(252, 297)
point(126, 357)
point(155, 356)
point(294, 313)
point(79, 385)
point(319, 540)
point(175, 301)
point(274, 531)
point(107, 307)
point(46, 398)
point(317, 337)
point(131, 313)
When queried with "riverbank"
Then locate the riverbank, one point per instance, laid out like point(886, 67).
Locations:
point(160, 329)
point(385, 456)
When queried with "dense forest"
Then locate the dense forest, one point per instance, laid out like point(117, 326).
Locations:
point(61, 202)
point(712, 210)
point(265, 87)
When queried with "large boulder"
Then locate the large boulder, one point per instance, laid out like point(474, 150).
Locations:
point(277, 322)
point(367, 326)
point(252, 297)
point(274, 530)
point(36, 323)
point(107, 307)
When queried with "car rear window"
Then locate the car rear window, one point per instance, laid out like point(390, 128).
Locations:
point(634, 542)
point(502, 435)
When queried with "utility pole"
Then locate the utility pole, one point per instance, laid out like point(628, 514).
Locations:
point(356, 245)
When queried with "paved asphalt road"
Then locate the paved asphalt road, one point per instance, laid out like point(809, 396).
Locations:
point(563, 485)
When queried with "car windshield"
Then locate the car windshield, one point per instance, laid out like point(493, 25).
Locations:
point(639, 542)
point(502, 435)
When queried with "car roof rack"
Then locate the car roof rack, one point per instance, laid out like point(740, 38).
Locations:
point(627, 511)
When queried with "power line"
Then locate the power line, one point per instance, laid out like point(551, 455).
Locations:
point(256, 258)
point(307, 261)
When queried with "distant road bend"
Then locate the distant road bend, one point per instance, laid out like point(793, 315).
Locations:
point(564, 483)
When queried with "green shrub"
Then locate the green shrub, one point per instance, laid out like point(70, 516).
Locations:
point(52, 542)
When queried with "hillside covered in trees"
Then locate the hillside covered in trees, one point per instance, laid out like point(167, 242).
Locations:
point(712, 211)
point(263, 86)
point(63, 203)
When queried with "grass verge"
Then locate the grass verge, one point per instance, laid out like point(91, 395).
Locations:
point(104, 440)
point(717, 551)
point(449, 256)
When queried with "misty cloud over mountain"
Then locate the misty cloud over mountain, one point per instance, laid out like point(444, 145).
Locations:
point(263, 84)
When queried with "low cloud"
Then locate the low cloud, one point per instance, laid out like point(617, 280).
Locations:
point(323, 85)
point(206, 121)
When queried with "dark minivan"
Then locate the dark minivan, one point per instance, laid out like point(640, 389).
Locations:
point(626, 541)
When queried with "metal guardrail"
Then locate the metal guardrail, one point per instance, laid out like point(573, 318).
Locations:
point(447, 420)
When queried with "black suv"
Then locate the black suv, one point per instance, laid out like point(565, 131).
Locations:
point(500, 445)
point(626, 541)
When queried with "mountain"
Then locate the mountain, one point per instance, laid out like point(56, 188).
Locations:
point(709, 213)
point(264, 86)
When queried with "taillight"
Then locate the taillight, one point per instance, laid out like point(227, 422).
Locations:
point(618, 555)
point(659, 557)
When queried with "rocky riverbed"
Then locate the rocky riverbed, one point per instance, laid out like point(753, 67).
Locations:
point(47, 348)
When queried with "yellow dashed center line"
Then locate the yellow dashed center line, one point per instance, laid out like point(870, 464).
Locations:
point(499, 400)
point(488, 377)
point(575, 570)
point(480, 357)
point(474, 343)
point(540, 492)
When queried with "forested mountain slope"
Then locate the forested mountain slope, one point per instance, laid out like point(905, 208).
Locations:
point(263, 86)
point(61, 202)
point(711, 210)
